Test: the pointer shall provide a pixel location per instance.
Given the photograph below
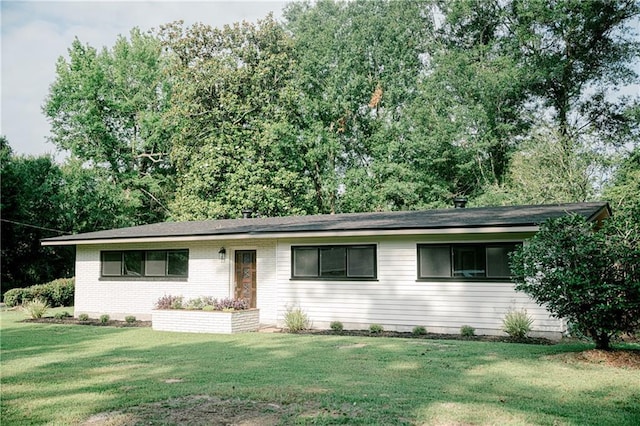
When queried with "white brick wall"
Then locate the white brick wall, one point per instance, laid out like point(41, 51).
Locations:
point(206, 322)
point(396, 300)
point(208, 276)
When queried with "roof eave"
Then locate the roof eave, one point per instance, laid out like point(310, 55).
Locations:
point(295, 235)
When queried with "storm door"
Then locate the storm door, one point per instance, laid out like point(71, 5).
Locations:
point(246, 276)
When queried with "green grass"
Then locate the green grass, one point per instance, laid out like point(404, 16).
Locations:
point(62, 374)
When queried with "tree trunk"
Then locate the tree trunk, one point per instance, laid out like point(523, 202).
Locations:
point(602, 340)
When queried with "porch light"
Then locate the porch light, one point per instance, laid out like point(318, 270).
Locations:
point(222, 253)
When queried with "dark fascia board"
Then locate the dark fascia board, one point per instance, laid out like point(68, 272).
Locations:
point(495, 217)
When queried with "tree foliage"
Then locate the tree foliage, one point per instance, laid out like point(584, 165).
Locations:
point(105, 108)
point(231, 145)
point(357, 68)
point(516, 71)
point(32, 191)
point(589, 277)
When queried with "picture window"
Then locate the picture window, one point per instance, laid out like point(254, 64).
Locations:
point(351, 262)
point(145, 263)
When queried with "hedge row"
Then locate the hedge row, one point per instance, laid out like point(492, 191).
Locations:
point(56, 293)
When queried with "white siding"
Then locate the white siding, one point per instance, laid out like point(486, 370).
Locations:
point(208, 276)
point(398, 301)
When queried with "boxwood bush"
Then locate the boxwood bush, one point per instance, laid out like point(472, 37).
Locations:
point(55, 293)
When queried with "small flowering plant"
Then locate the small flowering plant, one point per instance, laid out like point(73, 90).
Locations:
point(204, 303)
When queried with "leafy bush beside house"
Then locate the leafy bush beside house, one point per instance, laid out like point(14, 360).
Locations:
point(588, 276)
point(59, 292)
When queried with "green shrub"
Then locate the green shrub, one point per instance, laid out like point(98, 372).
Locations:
point(130, 319)
point(36, 308)
point(336, 326)
point(104, 318)
point(61, 291)
point(296, 320)
point(376, 328)
point(15, 296)
point(467, 331)
point(419, 330)
point(83, 317)
point(517, 323)
point(56, 293)
point(208, 308)
point(61, 315)
point(194, 304)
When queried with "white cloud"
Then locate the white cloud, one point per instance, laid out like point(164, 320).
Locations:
point(35, 34)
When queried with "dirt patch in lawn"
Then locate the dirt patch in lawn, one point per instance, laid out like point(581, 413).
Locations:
point(615, 358)
point(208, 410)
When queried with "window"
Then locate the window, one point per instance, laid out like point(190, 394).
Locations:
point(466, 261)
point(145, 263)
point(334, 262)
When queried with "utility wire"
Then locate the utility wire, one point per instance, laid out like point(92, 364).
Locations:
point(36, 227)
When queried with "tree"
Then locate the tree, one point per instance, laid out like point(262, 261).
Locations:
point(105, 108)
point(357, 64)
point(32, 194)
point(543, 75)
point(624, 187)
point(232, 146)
point(470, 113)
point(589, 277)
point(577, 55)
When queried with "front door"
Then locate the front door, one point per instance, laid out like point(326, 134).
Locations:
point(246, 276)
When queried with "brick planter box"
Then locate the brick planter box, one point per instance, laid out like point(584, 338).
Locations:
point(220, 322)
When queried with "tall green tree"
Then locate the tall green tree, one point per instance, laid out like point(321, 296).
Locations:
point(105, 108)
point(578, 54)
point(232, 146)
point(357, 67)
point(542, 72)
point(31, 209)
point(470, 113)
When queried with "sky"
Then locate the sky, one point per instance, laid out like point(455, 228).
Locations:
point(34, 34)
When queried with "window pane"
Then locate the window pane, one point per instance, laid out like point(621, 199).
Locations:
point(362, 262)
point(468, 261)
point(156, 263)
point(178, 263)
point(333, 262)
point(112, 263)
point(133, 263)
point(498, 260)
point(435, 261)
point(305, 262)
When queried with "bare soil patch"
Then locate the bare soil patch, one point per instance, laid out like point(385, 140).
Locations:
point(614, 358)
point(203, 410)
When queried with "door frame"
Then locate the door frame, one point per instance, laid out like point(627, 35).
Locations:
point(254, 273)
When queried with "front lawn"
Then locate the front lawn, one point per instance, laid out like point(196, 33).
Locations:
point(70, 374)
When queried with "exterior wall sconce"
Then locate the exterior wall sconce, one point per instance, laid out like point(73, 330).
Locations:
point(222, 254)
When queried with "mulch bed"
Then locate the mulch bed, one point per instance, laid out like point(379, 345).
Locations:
point(433, 336)
point(361, 333)
point(90, 321)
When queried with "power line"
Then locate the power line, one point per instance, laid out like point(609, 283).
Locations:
point(35, 226)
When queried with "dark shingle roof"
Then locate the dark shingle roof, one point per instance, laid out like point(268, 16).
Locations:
point(382, 221)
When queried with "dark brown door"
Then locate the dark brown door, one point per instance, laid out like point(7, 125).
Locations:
point(246, 276)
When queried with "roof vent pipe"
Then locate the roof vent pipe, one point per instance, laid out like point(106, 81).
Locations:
point(247, 213)
point(460, 202)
